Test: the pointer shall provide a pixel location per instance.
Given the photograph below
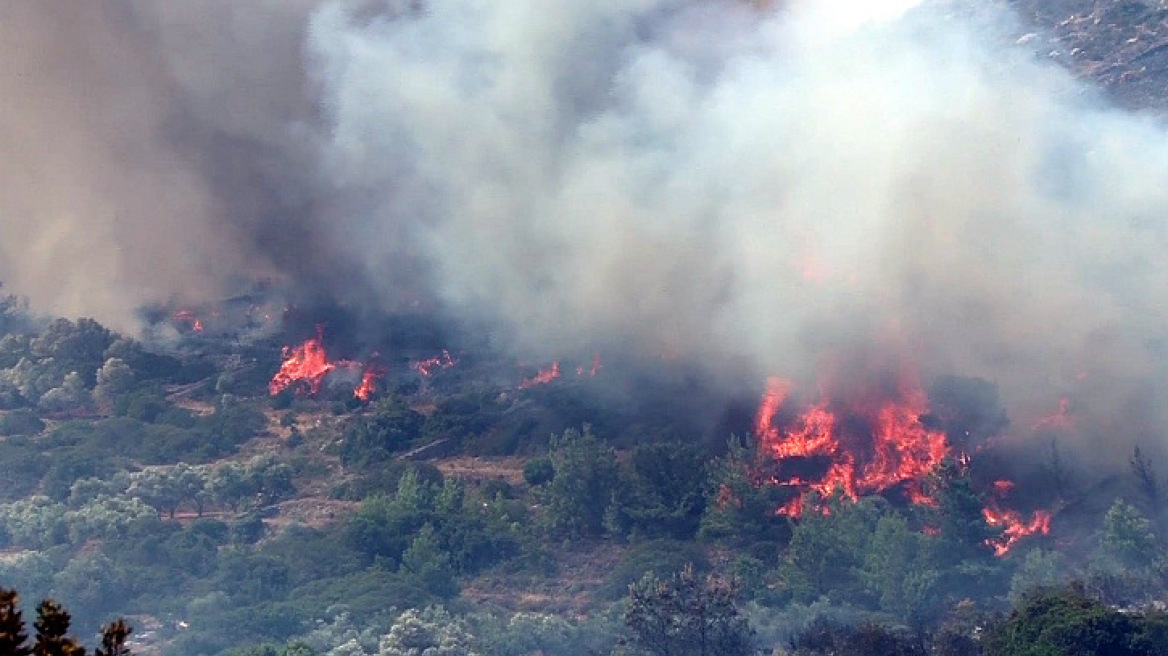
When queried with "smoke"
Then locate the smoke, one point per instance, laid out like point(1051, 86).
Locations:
point(763, 186)
point(155, 151)
point(770, 186)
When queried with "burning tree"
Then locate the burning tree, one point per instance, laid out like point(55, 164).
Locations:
point(883, 439)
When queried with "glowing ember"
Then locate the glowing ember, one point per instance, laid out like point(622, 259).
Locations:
point(593, 370)
point(368, 385)
point(189, 318)
point(897, 450)
point(307, 363)
point(1060, 420)
point(1013, 526)
point(427, 366)
point(543, 377)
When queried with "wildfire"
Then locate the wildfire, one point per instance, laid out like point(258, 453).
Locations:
point(1013, 526)
point(866, 448)
point(543, 377)
point(593, 370)
point(189, 318)
point(1060, 420)
point(368, 385)
point(898, 450)
point(427, 366)
point(308, 364)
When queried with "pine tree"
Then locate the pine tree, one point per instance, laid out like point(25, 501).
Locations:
point(687, 616)
point(52, 627)
point(13, 639)
point(113, 639)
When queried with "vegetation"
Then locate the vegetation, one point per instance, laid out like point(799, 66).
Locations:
point(450, 517)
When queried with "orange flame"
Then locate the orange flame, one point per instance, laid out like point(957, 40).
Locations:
point(1013, 526)
point(1060, 420)
point(543, 377)
point(901, 451)
point(188, 317)
point(427, 366)
point(308, 363)
point(368, 385)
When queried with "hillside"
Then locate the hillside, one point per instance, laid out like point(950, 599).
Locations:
point(668, 329)
point(1119, 45)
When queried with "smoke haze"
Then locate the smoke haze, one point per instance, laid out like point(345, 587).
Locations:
point(768, 187)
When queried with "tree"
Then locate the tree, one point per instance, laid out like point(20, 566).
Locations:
point(742, 507)
point(428, 632)
point(664, 491)
point(13, 638)
point(826, 638)
point(895, 570)
point(52, 628)
point(113, 379)
point(1067, 622)
point(684, 615)
point(1129, 565)
point(113, 639)
point(70, 394)
point(76, 346)
point(828, 550)
point(426, 563)
point(586, 477)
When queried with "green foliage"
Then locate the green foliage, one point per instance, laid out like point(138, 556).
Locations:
point(587, 475)
point(538, 471)
point(52, 629)
point(1066, 622)
point(428, 632)
point(741, 510)
point(659, 557)
point(391, 427)
point(20, 422)
point(828, 551)
point(1039, 569)
point(76, 346)
point(663, 493)
point(896, 570)
point(532, 634)
point(425, 562)
point(473, 534)
point(826, 638)
point(684, 615)
point(1130, 564)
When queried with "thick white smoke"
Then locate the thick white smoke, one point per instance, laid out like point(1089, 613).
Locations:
point(707, 178)
point(768, 183)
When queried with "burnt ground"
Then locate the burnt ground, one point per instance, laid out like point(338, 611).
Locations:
point(1119, 45)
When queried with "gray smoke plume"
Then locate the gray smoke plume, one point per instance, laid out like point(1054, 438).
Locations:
point(737, 184)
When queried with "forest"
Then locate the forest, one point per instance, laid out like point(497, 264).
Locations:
point(452, 513)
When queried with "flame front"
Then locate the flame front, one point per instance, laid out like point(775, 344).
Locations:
point(368, 385)
point(901, 451)
point(866, 448)
point(427, 366)
point(308, 363)
point(1013, 526)
point(543, 377)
